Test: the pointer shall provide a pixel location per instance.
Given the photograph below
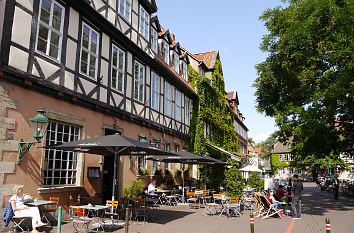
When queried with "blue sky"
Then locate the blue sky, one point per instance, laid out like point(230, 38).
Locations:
point(233, 28)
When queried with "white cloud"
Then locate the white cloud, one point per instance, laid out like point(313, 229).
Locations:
point(261, 137)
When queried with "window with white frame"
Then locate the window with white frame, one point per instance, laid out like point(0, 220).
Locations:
point(117, 79)
point(89, 51)
point(281, 157)
point(154, 40)
point(155, 91)
point(178, 104)
point(184, 67)
point(286, 157)
point(125, 9)
point(139, 75)
point(144, 23)
point(156, 143)
point(165, 52)
point(50, 28)
point(175, 61)
point(142, 159)
point(206, 130)
point(60, 167)
point(168, 100)
point(187, 111)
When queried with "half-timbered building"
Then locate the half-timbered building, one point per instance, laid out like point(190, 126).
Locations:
point(97, 67)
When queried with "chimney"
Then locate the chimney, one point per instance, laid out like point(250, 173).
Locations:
point(173, 37)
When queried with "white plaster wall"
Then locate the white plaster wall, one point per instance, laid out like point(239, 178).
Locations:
point(71, 54)
point(21, 29)
point(135, 21)
point(125, 26)
point(88, 86)
point(135, 5)
point(129, 86)
point(105, 45)
point(111, 17)
point(117, 98)
point(18, 59)
point(47, 68)
point(129, 62)
point(138, 107)
point(73, 29)
point(98, 4)
point(69, 80)
point(128, 106)
point(104, 72)
point(112, 3)
point(103, 95)
point(134, 37)
point(26, 3)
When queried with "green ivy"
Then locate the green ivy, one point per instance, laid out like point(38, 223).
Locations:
point(211, 109)
point(234, 181)
point(276, 164)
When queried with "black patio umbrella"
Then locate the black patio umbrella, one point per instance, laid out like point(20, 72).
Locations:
point(111, 145)
point(185, 157)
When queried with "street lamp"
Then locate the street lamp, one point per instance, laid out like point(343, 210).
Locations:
point(39, 125)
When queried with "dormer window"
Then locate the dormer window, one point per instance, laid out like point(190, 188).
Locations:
point(125, 9)
point(184, 68)
point(165, 51)
point(175, 61)
point(144, 23)
point(154, 39)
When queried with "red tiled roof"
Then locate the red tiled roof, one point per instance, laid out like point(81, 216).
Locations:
point(207, 58)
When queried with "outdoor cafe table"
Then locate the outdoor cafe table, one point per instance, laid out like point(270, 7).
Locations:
point(160, 193)
point(39, 204)
point(94, 210)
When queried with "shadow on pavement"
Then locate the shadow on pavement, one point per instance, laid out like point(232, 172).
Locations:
point(318, 202)
point(166, 216)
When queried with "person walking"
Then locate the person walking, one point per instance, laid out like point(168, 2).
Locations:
point(335, 186)
point(296, 190)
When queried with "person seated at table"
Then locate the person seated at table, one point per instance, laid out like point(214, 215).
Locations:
point(273, 202)
point(152, 188)
point(163, 185)
point(281, 195)
point(21, 210)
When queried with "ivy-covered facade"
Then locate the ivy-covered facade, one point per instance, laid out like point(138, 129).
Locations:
point(212, 121)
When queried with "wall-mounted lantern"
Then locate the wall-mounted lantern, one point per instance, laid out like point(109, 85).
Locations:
point(39, 125)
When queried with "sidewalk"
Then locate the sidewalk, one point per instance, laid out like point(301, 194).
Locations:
point(317, 206)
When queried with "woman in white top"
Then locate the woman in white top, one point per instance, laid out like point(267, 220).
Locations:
point(21, 210)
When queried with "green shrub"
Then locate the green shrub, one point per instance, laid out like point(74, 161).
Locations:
point(255, 181)
point(134, 190)
point(233, 176)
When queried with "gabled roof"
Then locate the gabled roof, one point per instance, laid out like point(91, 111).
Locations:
point(232, 95)
point(155, 19)
point(164, 33)
point(281, 147)
point(149, 5)
point(208, 58)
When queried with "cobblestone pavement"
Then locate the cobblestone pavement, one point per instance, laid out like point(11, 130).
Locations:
point(317, 206)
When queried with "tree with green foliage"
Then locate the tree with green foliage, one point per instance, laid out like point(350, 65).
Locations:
point(255, 181)
point(268, 144)
point(307, 80)
point(251, 141)
point(234, 179)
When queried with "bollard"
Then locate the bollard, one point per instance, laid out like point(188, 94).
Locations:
point(328, 226)
point(59, 220)
point(127, 220)
point(252, 223)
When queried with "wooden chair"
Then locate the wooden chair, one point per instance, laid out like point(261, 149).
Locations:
point(80, 220)
point(233, 208)
point(52, 208)
point(192, 200)
point(112, 213)
point(140, 210)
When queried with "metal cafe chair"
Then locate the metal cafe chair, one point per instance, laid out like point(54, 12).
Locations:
point(80, 220)
point(21, 223)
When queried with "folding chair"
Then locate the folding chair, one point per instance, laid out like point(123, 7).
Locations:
point(269, 210)
point(192, 200)
point(205, 197)
point(112, 213)
point(21, 223)
point(74, 201)
point(52, 208)
point(140, 210)
point(211, 208)
point(80, 220)
point(233, 207)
